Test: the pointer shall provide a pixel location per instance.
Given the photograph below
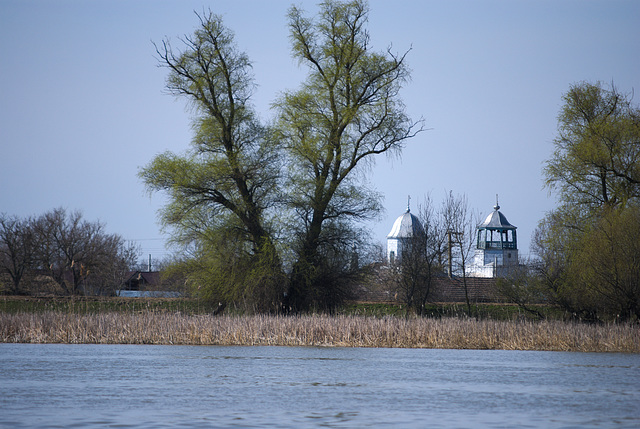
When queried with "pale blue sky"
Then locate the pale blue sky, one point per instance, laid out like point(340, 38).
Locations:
point(83, 105)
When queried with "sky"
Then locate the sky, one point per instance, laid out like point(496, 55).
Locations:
point(83, 104)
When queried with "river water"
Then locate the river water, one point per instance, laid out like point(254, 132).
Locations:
point(307, 387)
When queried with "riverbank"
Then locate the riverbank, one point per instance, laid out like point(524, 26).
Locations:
point(147, 327)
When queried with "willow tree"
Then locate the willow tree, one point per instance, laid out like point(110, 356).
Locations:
point(222, 190)
point(347, 111)
point(596, 161)
point(585, 254)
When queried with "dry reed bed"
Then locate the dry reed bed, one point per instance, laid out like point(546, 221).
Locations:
point(317, 330)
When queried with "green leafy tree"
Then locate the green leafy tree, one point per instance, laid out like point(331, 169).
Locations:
point(249, 204)
point(554, 243)
point(607, 264)
point(585, 259)
point(347, 111)
point(223, 190)
point(596, 160)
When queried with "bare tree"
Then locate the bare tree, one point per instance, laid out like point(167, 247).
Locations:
point(435, 236)
point(115, 259)
point(16, 249)
point(412, 275)
point(460, 224)
point(523, 287)
point(71, 249)
point(408, 274)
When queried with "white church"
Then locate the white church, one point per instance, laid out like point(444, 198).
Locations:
point(404, 229)
point(496, 249)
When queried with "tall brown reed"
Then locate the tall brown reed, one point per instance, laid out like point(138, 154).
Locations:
point(345, 331)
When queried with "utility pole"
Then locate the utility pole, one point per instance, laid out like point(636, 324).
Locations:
point(449, 253)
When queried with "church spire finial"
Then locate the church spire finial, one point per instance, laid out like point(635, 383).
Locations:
point(497, 206)
point(408, 203)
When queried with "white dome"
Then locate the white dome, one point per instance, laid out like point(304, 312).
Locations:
point(496, 220)
point(406, 226)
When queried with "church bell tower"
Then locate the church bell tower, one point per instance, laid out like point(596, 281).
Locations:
point(496, 247)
